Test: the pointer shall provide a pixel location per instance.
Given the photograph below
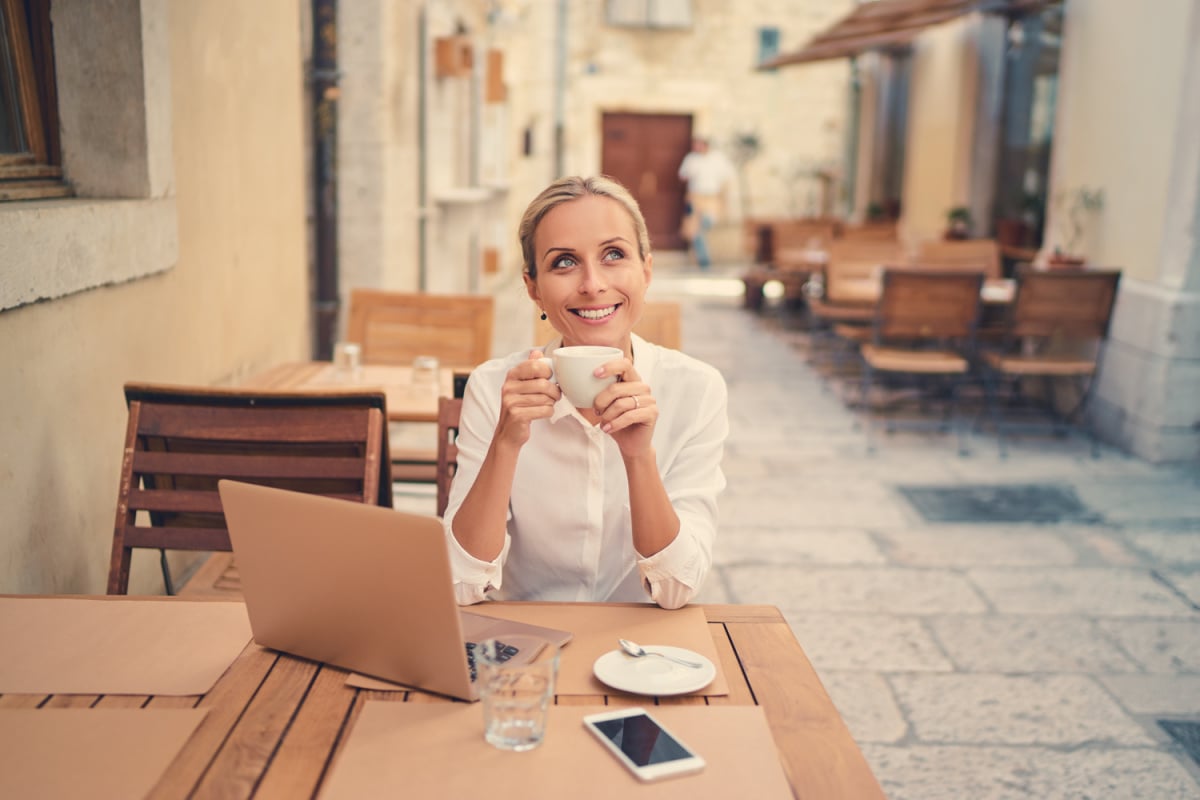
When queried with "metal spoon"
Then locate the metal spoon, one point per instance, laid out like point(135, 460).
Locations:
point(637, 651)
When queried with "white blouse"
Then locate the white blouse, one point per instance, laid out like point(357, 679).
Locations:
point(568, 535)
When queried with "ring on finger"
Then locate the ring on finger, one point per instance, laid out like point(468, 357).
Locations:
point(636, 403)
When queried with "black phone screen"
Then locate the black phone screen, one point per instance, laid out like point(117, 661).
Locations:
point(640, 738)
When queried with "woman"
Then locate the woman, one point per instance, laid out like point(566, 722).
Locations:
point(611, 503)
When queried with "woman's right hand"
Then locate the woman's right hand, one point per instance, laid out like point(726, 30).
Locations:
point(527, 394)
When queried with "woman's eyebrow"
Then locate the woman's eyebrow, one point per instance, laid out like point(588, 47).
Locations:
point(552, 250)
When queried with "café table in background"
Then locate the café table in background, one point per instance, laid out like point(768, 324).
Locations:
point(407, 400)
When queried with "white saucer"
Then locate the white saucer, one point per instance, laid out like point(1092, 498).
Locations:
point(651, 675)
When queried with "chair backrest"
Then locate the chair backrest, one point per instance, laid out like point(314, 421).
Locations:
point(851, 261)
point(869, 231)
point(396, 327)
point(960, 254)
point(449, 412)
point(1072, 303)
point(180, 440)
point(928, 305)
point(660, 324)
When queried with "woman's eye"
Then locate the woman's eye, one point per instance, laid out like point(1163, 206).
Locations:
point(614, 255)
point(562, 261)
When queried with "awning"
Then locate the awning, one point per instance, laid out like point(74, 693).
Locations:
point(886, 24)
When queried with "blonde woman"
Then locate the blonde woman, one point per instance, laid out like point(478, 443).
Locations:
point(611, 503)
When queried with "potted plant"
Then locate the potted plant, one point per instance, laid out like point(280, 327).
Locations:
point(958, 223)
point(1074, 210)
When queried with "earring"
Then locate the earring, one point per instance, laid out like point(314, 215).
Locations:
point(543, 316)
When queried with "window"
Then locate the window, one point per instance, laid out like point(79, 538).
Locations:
point(768, 44)
point(30, 166)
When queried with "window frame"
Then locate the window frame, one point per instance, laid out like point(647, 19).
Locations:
point(35, 172)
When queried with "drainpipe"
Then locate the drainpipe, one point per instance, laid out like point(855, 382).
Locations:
point(325, 107)
point(422, 152)
point(560, 90)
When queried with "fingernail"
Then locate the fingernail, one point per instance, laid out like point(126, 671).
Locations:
point(606, 427)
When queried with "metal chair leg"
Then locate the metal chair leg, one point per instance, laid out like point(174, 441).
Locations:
point(168, 584)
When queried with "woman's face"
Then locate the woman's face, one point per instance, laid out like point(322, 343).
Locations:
point(591, 282)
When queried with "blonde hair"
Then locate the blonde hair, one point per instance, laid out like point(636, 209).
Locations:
point(571, 188)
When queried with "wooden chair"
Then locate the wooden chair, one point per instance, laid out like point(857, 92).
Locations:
point(845, 304)
point(960, 254)
point(449, 412)
point(660, 324)
point(396, 327)
point(924, 329)
point(180, 440)
point(1056, 330)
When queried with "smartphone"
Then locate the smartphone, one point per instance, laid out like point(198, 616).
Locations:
point(642, 744)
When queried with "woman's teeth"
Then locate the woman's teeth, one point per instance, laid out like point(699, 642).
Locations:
point(595, 313)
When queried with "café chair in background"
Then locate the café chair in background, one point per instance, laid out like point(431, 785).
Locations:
point(961, 255)
point(180, 440)
point(923, 331)
point(843, 306)
point(396, 327)
point(1055, 333)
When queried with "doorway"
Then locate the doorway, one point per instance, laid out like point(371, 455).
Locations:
point(643, 152)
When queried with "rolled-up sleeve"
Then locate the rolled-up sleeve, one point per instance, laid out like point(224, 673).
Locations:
point(693, 479)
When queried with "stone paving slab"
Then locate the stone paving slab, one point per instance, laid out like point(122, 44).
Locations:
point(1164, 695)
point(743, 545)
point(1182, 549)
point(1091, 591)
point(1025, 773)
point(1001, 709)
point(854, 589)
point(1029, 644)
point(868, 642)
point(866, 704)
point(1186, 583)
point(993, 545)
point(1168, 646)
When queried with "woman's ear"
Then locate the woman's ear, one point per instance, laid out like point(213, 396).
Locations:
point(648, 267)
point(531, 288)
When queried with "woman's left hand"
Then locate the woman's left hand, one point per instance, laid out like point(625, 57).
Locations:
point(627, 409)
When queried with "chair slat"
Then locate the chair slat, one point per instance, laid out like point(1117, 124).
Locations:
point(252, 424)
point(182, 537)
point(245, 465)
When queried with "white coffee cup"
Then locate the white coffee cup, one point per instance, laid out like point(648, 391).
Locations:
point(572, 370)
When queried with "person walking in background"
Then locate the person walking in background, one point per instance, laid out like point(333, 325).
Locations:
point(707, 173)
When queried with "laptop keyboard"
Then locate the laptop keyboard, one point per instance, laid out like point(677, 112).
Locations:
point(504, 653)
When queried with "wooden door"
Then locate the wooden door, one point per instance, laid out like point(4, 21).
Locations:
point(643, 151)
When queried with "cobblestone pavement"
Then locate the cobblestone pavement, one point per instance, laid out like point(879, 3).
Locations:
point(971, 658)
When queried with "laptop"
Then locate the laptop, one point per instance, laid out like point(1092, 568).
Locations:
point(362, 587)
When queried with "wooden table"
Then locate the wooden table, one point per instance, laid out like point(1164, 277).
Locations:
point(276, 723)
point(406, 401)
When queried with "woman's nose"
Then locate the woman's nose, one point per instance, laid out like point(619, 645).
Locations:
point(592, 279)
